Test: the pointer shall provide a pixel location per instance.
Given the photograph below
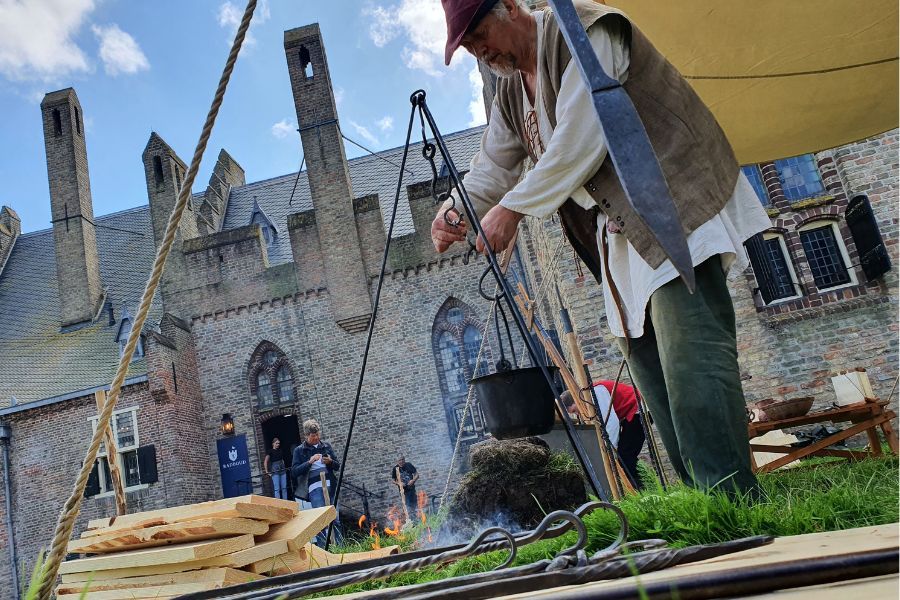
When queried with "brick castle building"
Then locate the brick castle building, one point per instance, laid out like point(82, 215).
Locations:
point(262, 314)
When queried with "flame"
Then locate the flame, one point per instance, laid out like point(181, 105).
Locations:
point(376, 544)
point(393, 516)
point(362, 519)
point(422, 501)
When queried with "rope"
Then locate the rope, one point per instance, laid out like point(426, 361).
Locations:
point(67, 517)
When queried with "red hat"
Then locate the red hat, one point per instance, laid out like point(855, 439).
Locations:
point(462, 15)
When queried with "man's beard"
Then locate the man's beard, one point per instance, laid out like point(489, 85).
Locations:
point(503, 65)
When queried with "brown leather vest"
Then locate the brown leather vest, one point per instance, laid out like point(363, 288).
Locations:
point(692, 149)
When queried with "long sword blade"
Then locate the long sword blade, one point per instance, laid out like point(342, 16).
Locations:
point(629, 147)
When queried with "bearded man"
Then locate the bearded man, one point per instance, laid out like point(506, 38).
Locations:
point(681, 347)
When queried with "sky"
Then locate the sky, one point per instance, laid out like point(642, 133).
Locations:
point(139, 67)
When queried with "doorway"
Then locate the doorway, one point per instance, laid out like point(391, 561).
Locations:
point(287, 429)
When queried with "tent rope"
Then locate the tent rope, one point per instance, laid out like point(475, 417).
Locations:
point(69, 514)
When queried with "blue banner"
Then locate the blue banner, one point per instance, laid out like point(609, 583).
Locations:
point(234, 464)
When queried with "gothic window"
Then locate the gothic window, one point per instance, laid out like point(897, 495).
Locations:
point(271, 377)
point(456, 340)
point(754, 176)
point(264, 394)
point(799, 177)
point(826, 255)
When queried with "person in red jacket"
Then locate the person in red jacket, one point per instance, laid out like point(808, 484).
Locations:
point(631, 431)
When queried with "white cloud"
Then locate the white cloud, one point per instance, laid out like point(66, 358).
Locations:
point(230, 15)
point(36, 38)
point(385, 123)
point(422, 25)
point(365, 133)
point(118, 51)
point(476, 104)
point(283, 128)
point(339, 96)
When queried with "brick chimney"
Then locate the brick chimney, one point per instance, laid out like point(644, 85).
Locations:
point(72, 212)
point(329, 177)
point(164, 172)
point(10, 228)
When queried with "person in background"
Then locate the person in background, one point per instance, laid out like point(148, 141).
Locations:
point(311, 459)
point(404, 475)
point(623, 425)
point(274, 466)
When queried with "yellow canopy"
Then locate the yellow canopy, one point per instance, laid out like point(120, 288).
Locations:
point(783, 77)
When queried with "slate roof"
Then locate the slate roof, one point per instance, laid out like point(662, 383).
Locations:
point(38, 362)
point(368, 175)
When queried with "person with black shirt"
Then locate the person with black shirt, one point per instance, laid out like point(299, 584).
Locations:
point(275, 467)
point(405, 476)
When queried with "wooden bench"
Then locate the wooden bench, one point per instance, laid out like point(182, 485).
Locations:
point(866, 416)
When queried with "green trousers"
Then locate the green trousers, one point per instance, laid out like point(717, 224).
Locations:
point(685, 366)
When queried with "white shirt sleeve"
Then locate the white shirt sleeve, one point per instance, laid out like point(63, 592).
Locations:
point(577, 147)
point(497, 165)
point(604, 401)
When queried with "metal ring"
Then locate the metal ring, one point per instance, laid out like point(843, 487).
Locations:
point(482, 539)
point(481, 291)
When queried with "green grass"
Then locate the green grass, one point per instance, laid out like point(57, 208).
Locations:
point(821, 496)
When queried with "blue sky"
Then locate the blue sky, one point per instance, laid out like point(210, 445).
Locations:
point(152, 66)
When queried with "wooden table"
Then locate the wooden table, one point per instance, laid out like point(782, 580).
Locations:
point(865, 416)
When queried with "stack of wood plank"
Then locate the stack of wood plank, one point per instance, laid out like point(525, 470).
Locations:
point(164, 553)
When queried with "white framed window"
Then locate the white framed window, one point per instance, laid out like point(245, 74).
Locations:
point(125, 432)
point(827, 255)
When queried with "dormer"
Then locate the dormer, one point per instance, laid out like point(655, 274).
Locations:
point(125, 326)
point(266, 225)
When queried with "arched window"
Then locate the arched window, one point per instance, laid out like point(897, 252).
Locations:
point(451, 361)
point(472, 342)
point(456, 341)
point(264, 394)
point(285, 384)
point(271, 377)
point(122, 335)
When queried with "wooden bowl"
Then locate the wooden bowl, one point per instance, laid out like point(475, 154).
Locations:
point(788, 409)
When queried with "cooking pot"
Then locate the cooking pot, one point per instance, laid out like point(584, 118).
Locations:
point(516, 402)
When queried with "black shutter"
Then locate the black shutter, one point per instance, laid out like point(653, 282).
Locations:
point(93, 483)
point(873, 256)
point(147, 464)
point(756, 252)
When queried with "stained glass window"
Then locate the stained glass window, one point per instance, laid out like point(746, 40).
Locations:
point(755, 177)
point(799, 177)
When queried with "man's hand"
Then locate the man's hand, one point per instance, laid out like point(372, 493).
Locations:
point(499, 225)
point(327, 460)
point(443, 235)
point(315, 458)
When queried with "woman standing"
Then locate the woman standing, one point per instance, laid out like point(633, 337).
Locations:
point(275, 467)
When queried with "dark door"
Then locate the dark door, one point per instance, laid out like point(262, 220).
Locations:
point(287, 429)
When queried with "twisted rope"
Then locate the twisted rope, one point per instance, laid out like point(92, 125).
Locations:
point(67, 517)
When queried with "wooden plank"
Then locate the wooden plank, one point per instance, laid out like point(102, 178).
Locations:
point(269, 514)
point(163, 535)
point(885, 586)
point(213, 508)
point(235, 560)
point(144, 593)
point(783, 550)
point(313, 557)
point(838, 415)
point(153, 557)
point(223, 576)
point(301, 529)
